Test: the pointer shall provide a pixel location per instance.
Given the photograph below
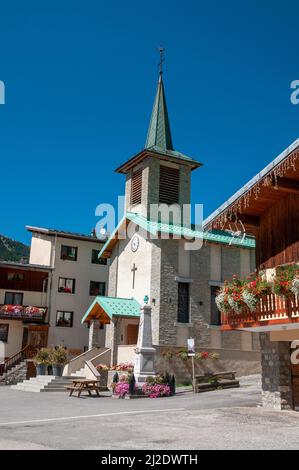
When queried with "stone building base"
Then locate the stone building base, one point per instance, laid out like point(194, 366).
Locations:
point(276, 374)
point(242, 362)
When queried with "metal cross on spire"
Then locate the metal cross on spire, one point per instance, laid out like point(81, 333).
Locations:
point(161, 51)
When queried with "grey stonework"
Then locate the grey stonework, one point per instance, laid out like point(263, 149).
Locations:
point(230, 262)
point(15, 375)
point(164, 290)
point(276, 373)
point(112, 338)
point(112, 285)
point(242, 362)
point(155, 289)
point(200, 298)
point(168, 292)
point(185, 186)
point(94, 337)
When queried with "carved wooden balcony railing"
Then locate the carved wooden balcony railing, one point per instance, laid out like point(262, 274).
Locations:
point(272, 309)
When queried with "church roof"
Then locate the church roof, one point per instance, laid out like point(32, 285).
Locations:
point(155, 228)
point(112, 306)
point(159, 133)
point(159, 141)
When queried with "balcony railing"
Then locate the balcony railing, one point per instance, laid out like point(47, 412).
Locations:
point(272, 309)
point(23, 312)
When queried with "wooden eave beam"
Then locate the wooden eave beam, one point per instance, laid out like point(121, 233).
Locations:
point(288, 185)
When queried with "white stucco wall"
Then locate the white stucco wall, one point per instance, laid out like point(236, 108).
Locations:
point(39, 299)
point(15, 336)
point(46, 250)
point(83, 271)
point(142, 260)
point(40, 250)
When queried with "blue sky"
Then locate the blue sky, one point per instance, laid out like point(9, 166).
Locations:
point(80, 81)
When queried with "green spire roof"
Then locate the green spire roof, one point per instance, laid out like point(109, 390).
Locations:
point(159, 134)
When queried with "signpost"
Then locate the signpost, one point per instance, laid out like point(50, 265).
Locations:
point(191, 353)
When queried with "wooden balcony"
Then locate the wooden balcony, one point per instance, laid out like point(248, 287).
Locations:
point(272, 310)
point(23, 312)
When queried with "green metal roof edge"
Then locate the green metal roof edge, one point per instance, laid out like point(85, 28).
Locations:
point(111, 236)
point(216, 236)
point(154, 227)
point(101, 300)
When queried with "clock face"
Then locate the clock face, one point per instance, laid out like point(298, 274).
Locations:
point(135, 243)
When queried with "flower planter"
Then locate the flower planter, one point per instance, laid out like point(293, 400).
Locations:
point(57, 370)
point(41, 369)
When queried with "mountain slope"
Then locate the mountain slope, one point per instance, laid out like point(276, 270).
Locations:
point(11, 250)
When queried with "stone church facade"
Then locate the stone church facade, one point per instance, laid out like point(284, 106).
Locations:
point(153, 261)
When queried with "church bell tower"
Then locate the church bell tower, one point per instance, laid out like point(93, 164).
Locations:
point(158, 174)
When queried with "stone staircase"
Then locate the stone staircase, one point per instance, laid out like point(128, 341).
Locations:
point(45, 383)
point(79, 373)
point(15, 374)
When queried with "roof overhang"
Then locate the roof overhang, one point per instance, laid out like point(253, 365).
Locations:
point(276, 180)
point(62, 234)
point(168, 155)
point(105, 309)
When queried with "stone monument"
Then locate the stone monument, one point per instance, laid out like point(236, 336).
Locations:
point(144, 364)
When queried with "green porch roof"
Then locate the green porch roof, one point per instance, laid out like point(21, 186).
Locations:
point(113, 306)
point(154, 227)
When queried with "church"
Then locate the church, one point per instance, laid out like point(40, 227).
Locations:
point(153, 263)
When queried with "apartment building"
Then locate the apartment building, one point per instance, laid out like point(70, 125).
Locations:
point(77, 276)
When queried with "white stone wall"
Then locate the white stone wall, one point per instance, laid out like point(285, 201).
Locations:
point(142, 260)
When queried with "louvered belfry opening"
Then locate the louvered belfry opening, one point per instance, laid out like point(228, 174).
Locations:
point(136, 187)
point(169, 185)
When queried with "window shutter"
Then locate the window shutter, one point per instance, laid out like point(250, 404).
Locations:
point(136, 187)
point(169, 185)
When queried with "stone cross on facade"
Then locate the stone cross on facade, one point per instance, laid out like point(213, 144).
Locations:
point(134, 269)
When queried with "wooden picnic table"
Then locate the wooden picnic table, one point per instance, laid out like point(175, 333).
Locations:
point(79, 385)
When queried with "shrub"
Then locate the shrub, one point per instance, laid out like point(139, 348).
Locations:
point(58, 356)
point(43, 356)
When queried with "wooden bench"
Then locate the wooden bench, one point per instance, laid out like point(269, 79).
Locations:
point(216, 380)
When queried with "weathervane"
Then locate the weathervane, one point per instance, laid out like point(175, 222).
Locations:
point(161, 51)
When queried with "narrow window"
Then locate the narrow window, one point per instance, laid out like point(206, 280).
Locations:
point(215, 314)
point(4, 332)
point(69, 252)
point(66, 285)
point(97, 288)
point(13, 298)
point(95, 258)
point(183, 302)
point(15, 276)
point(136, 187)
point(169, 185)
point(64, 319)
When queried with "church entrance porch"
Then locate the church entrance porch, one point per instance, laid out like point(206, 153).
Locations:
point(120, 316)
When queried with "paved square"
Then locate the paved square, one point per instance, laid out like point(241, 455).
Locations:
point(225, 419)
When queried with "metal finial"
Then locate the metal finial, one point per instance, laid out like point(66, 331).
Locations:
point(161, 51)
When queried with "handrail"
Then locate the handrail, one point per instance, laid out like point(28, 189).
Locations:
point(26, 353)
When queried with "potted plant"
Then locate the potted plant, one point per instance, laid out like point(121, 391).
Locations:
point(42, 360)
point(58, 360)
